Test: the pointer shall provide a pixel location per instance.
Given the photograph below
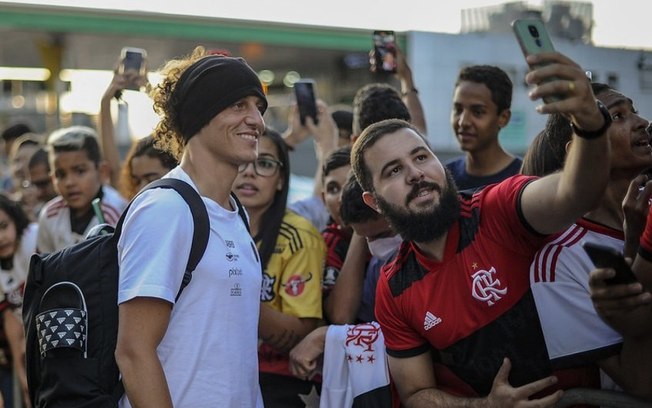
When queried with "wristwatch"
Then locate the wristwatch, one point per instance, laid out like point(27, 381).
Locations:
point(585, 134)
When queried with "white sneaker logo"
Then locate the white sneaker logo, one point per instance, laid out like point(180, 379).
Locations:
point(431, 321)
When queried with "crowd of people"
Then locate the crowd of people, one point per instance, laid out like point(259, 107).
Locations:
point(402, 281)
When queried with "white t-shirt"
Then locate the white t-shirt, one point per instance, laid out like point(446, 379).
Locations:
point(209, 350)
point(55, 231)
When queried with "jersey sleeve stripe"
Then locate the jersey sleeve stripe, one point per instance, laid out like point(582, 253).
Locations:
point(416, 351)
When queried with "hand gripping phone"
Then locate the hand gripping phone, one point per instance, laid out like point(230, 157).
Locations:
point(533, 38)
point(384, 51)
point(304, 90)
point(607, 257)
point(132, 59)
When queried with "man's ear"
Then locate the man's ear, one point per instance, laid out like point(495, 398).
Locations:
point(370, 200)
point(504, 117)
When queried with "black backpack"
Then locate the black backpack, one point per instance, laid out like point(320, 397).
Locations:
point(70, 312)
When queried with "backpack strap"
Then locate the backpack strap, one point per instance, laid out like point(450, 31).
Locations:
point(200, 220)
point(241, 212)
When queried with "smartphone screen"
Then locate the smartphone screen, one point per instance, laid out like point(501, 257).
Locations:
point(133, 59)
point(533, 38)
point(384, 51)
point(304, 91)
point(607, 257)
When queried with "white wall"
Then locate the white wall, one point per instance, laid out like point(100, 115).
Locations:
point(436, 58)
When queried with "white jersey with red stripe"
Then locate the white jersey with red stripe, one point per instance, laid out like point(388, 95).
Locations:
point(573, 331)
point(55, 231)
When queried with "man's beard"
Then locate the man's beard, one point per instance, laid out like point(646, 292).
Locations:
point(424, 226)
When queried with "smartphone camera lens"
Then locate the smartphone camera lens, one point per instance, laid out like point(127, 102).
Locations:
point(533, 31)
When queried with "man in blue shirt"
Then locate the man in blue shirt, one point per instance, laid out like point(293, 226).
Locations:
point(481, 108)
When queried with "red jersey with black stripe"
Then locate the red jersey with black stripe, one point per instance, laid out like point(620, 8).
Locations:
point(474, 307)
point(337, 241)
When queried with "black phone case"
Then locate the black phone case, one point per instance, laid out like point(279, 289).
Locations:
point(305, 94)
point(606, 257)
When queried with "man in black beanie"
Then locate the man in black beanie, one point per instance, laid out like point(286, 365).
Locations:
point(202, 351)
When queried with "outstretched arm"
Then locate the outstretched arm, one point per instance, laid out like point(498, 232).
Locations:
point(409, 92)
point(552, 203)
point(417, 387)
point(106, 129)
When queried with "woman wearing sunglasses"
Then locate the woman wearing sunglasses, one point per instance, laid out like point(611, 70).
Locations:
point(292, 254)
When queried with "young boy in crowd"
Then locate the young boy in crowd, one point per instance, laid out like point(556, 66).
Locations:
point(373, 242)
point(40, 180)
point(77, 167)
point(337, 236)
point(481, 108)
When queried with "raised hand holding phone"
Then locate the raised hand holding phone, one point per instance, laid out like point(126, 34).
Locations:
point(133, 66)
point(384, 58)
point(562, 84)
point(304, 91)
point(533, 38)
point(607, 257)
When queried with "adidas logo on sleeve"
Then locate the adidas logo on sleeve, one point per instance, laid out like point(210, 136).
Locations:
point(430, 321)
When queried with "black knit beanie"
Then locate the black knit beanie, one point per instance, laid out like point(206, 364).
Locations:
point(211, 85)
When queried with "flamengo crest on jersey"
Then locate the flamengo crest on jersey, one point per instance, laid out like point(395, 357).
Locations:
point(485, 288)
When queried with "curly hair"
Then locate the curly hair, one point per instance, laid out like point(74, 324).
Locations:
point(167, 134)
